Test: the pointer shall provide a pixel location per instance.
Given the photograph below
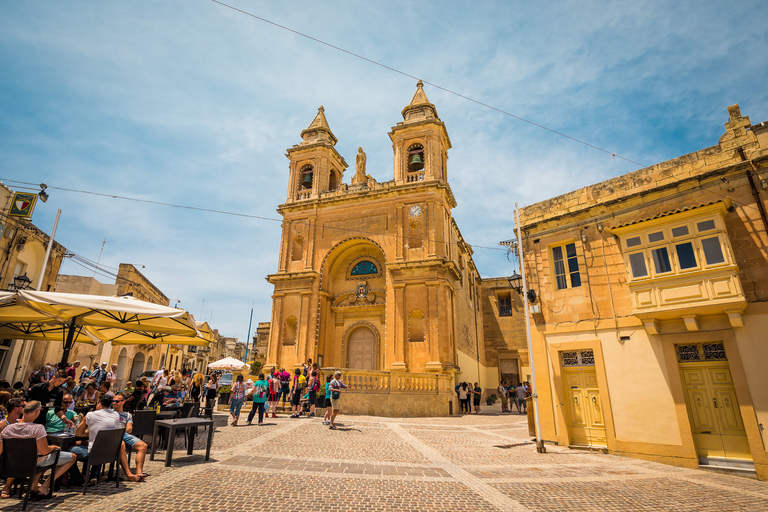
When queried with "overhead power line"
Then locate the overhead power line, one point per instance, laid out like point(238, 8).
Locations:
point(249, 216)
point(436, 86)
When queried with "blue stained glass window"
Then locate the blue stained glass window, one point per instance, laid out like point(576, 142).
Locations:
point(364, 268)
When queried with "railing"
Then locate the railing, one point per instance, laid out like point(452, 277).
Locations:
point(304, 195)
point(413, 177)
point(373, 381)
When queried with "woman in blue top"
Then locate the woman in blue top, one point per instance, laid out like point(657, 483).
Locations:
point(260, 394)
point(327, 417)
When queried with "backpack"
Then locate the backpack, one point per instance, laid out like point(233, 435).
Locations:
point(35, 378)
point(316, 385)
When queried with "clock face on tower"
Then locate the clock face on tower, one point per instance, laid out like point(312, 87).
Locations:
point(415, 210)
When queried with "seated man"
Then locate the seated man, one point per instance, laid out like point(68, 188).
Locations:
point(104, 388)
point(15, 410)
point(162, 397)
point(27, 428)
point(103, 418)
point(55, 424)
point(176, 396)
point(132, 442)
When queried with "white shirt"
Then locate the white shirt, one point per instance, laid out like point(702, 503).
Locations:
point(102, 419)
point(112, 377)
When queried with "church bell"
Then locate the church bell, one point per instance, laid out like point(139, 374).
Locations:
point(307, 181)
point(415, 163)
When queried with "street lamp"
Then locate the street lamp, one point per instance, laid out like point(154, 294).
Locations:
point(21, 282)
point(516, 283)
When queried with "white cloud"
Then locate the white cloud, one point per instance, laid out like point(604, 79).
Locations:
point(192, 103)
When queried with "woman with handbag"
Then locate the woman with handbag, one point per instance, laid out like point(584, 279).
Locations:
point(237, 400)
point(212, 391)
point(336, 386)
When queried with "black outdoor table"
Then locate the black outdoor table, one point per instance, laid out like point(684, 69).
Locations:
point(165, 415)
point(190, 426)
point(82, 409)
point(63, 440)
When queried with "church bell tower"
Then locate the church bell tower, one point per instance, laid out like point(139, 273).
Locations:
point(420, 143)
point(315, 165)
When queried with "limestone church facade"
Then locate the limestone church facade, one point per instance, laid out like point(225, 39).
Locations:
point(375, 276)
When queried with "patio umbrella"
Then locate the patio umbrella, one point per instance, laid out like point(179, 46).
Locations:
point(76, 311)
point(18, 321)
point(228, 363)
point(202, 338)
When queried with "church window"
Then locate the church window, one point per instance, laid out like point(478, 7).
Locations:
point(333, 181)
point(416, 325)
point(305, 177)
point(298, 249)
point(566, 266)
point(289, 333)
point(415, 158)
point(415, 235)
point(505, 305)
point(364, 268)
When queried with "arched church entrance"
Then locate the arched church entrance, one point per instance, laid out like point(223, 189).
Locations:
point(361, 349)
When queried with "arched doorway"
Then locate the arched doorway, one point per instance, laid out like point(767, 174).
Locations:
point(149, 364)
point(361, 349)
point(138, 367)
point(122, 362)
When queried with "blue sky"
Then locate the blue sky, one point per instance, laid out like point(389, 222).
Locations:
point(191, 103)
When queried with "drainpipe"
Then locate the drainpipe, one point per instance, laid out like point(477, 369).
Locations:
point(755, 193)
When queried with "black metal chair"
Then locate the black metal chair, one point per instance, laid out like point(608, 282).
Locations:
point(193, 412)
point(105, 450)
point(19, 460)
point(143, 424)
point(207, 411)
point(186, 408)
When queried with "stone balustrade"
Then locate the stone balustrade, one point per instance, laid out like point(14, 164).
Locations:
point(395, 393)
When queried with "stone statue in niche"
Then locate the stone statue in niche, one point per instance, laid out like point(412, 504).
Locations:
point(360, 176)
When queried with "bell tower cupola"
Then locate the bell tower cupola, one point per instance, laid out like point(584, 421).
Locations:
point(420, 143)
point(315, 166)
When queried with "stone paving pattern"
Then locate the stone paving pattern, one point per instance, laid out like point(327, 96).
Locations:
point(482, 462)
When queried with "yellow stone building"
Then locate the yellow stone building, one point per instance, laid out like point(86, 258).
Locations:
point(650, 336)
point(376, 277)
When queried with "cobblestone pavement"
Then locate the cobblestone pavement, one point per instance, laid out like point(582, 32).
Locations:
point(463, 463)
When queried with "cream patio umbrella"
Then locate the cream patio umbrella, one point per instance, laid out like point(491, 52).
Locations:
point(202, 338)
point(228, 363)
point(18, 321)
point(76, 311)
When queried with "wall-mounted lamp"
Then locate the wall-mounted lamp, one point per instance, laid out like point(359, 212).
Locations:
point(20, 282)
point(516, 283)
point(43, 195)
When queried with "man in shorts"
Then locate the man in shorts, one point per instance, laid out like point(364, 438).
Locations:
point(520, 396)
point(132, 442)
point(103, 418)
point(503, 396)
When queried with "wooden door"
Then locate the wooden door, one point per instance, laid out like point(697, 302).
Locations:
point(713, 410)
point(361, 352)
point(586, 423)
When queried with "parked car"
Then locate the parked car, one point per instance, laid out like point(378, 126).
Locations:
point(149, 374)
point(226, 379)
